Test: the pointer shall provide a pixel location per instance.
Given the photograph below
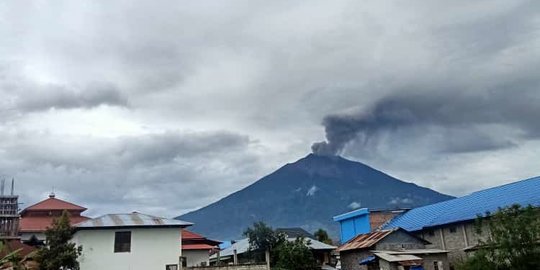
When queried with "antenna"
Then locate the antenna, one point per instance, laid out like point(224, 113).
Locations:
point(52, 195)
point(12, 185)
point(3, 184)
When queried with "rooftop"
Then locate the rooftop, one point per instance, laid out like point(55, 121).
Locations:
point(195, 241)
point(525, 192)
point(132, 220)
point(242, 246)
point(53, 203)
point(366, 240)
point(40, 224)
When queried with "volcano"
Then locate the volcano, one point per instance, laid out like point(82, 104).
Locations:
point(307, 194)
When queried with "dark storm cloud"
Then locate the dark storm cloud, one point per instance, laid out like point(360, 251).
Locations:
point(69, 97)
point(154, 168)
point(466, 115)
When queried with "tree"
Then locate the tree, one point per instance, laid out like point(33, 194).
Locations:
point(59, 253)
point(10, 257)
point(262, 237)
point(513, 242)
point(295, 255)
point(322, 236)
point(284, 254)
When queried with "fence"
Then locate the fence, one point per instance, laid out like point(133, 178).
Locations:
point(231, 267)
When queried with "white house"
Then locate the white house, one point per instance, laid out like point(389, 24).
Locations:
point(132, 241)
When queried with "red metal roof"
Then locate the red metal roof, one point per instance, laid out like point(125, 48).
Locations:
point(197, 247)
point(15, 244)
point(191, 235)
point(40, 224)
point(195, 241)
point(52, 203)
point(365, 240)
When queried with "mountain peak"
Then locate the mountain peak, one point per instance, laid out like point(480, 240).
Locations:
point(307, 193)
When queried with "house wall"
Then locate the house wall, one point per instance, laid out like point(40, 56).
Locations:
point(196, 257)
point(354, 226)
point(430, 259)
point(350, 259)
point(399, 240)
point(463, 235)
point(384, 265)
point(151, 248)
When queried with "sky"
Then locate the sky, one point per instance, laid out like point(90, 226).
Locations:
point(166, 106)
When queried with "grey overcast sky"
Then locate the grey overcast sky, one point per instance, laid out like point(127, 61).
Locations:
point(166, 106)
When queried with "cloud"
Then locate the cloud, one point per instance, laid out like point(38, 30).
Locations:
point(467, 116)
point(124, 113)
point(149, 172)
point(69, 97)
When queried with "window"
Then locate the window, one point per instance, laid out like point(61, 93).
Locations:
point(435, 265)
point(453, 229)
point(171, 267)
point(122, 242)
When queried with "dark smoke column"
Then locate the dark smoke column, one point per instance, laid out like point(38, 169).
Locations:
point(340, 129)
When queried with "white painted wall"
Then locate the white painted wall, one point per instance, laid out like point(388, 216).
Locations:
point(151, 248)
point(196, 257)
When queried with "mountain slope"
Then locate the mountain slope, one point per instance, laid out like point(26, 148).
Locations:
point(307, 194)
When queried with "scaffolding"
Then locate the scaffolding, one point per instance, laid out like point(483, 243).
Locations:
point(9, 213)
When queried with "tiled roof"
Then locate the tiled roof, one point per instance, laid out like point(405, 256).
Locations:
point(40, 224)
point(366, 240)
point(52, 203)
point(134, 219)
point(525, 192)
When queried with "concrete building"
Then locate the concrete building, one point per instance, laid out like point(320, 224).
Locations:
point(394, 249)
point(450, 225)
point(36, 218)
point(132, 241)
point(196, 248)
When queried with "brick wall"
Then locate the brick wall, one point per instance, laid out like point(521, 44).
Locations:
point(349, 260)
point(454, 238)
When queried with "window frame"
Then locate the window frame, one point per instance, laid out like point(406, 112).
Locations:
point(122, 247)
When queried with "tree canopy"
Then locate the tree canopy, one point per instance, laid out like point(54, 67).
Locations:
point(322, 236)
point(513, 242)
point(293, 255)
point(59, 253)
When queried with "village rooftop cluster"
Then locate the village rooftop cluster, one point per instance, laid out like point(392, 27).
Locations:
point(432, 237)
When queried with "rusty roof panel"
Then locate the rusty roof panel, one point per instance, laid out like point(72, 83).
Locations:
point(365, 240)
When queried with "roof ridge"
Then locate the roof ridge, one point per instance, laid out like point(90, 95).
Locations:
point(503, 185)
point(53, 199)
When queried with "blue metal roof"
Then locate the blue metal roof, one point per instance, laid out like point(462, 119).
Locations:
point(468, 207)
point(352, 214)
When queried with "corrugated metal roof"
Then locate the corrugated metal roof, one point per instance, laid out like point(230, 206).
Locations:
point(523, 192)
point(366, 240)
point(242, 246)
point(396, 257)
point(134, 219)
